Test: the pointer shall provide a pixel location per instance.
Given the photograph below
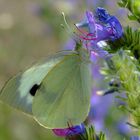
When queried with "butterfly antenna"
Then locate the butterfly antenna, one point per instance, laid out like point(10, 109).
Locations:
point(68, 29)
point(66, 24)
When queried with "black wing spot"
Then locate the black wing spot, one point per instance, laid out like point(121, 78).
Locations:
point(34, 89)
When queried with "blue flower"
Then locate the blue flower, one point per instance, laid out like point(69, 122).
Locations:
point(102, 15)
point(101, 27)
point(110, 22)
point(117, 29)
point(107, 26)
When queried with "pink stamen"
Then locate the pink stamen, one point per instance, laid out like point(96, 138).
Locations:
point(87, 39)
point(86, 35)
point(92, 35)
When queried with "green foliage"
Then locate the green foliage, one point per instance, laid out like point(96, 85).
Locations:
point(90, 134)
point(125, 69)
point(133, 7)
point(129, 41)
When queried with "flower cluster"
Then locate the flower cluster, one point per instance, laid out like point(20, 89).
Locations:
point(101, 27)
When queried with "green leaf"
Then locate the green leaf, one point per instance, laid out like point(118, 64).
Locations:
point(64, 94)
point(90, 134)
point(132, 17)
point(127, 71)
point(129, 41)
point(121, 4)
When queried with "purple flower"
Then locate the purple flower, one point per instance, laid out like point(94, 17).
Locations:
point(102, 28)
point(102, 15)
point(122, 127)
point(110, 22)
point(107, 24)
point(78, 129)
point(91, 22)
point(104, 23)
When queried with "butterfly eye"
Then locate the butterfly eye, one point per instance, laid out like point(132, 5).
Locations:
point(34, 89)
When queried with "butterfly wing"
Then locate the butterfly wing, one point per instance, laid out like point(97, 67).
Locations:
point(19, 91)
point(64, 94)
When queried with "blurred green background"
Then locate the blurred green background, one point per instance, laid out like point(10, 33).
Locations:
point(30, 30)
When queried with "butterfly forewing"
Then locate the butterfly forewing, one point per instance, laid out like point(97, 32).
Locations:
point(19, 91)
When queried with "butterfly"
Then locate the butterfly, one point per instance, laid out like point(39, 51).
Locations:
point(54, 90)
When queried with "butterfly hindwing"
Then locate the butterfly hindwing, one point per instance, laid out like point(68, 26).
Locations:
point(64, 94)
